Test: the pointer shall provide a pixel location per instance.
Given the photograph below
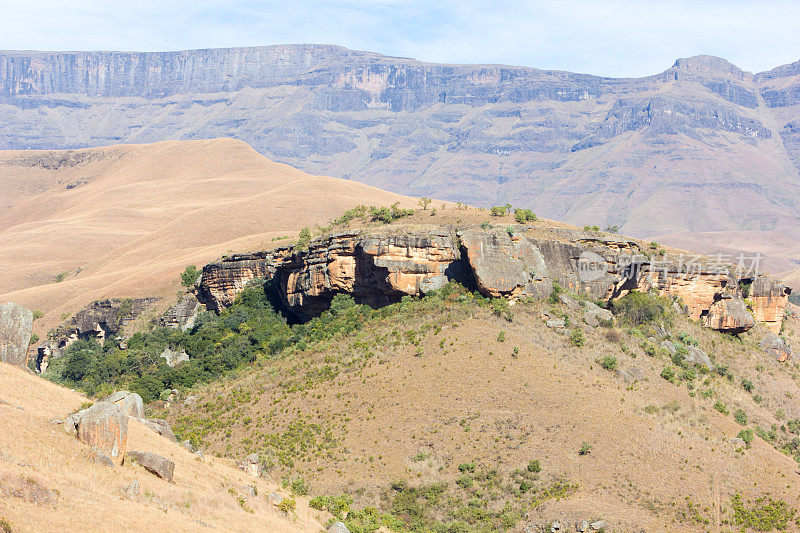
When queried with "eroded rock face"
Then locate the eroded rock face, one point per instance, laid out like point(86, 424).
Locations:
point(769, 297)
point(381, 267)
point(505, 265)
point(16, 323)
point(221, 282)
point(729, 314)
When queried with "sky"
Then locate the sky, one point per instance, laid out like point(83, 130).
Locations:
point(603, 37)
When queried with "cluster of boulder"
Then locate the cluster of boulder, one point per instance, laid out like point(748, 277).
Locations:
point(104, 427)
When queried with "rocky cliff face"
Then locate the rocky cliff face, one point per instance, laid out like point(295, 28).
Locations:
point(554, 141)
point(378, 268)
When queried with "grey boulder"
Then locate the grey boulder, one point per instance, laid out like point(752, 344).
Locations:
point(155, 464)
point(16, 324)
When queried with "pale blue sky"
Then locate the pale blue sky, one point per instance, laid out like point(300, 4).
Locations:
point(606, 37)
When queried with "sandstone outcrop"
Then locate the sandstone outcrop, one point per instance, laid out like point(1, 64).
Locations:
point(381, 266)
point(104, 427)
point(99, 320)
point(16, 323)
point(183, 314)
point(506, 265)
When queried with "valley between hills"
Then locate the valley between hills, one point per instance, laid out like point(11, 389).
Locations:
point(345, 357)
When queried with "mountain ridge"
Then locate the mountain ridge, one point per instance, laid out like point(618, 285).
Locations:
point(627, 152)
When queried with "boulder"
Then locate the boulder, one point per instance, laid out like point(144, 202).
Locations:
point(104, 427)
point(251, 465)
point(591, 321)
point(729, 314)
point(624, 375)
point(129, 402)
point(155, 464)
point(698, 357)
point(583, 526)
point(556, 323)
point(174, 358)
point(16, 324)
point(338, 527)
point(776, 346)
point(596, 526)
point(669, 347)
point(506, 266)
point(159, 426)
point(132, 490)
point(569, 302)
point(737, 442)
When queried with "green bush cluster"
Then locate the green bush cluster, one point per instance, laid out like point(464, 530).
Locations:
point(638, 308)
point(217, 344)
point(523, 216)
point(763, 514)
point(387, 215)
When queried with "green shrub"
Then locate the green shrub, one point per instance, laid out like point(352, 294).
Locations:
point(534, 466)
point(668, 373)
point(719, 406)
point(464, 481)
point(637, 308)
point(387, 215)
point(585, 448)
point(466, 467)
point(747, 385)
point(740, 416)
point(557, 290)
point(524, 215)
point(501, 337)
point(189, 276)
point(764, 514)
point(608, 362)
point(288, 505)
point(5, 526)
point(576, 337)
point(498, 210)
point(747, 436)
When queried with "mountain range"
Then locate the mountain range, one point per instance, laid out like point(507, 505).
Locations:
point(702, 155)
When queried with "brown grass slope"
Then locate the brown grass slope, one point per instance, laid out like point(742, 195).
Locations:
point(415, 406)
point(123, 221)
point(49, 481)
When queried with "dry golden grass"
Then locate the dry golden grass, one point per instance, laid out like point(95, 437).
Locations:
point(468, 398)
point(50, 482)
point(136, 215)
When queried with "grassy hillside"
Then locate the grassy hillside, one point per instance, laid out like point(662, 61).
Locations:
point(49, 481)
point(456, 413)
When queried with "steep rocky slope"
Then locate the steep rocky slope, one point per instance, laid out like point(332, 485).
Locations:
point(702, 146)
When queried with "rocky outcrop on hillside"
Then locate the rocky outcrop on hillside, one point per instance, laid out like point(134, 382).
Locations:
point(16, 323)
point(99, 320)
point(380, 267)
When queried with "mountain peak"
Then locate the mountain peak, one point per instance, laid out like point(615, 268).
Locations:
point(708, 64)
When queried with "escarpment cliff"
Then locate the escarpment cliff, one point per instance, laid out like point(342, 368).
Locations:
point(378, 267)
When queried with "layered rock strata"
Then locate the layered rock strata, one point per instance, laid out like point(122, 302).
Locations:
point(380, 267)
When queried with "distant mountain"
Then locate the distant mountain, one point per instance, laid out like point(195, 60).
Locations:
point(701, 147)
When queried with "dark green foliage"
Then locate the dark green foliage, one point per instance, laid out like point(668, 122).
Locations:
point(189, 276)
point(534, 466)
point(740, 416)
point(637, 308)
point(747, 385)
point(585, 448)
point(608, 362)
point(557, 290)
point(747, 436)
point(668, 373)
point(250, 328)
point(387, 215)
point(524, 215)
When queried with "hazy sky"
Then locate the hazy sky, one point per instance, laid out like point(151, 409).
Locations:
point(606, 37)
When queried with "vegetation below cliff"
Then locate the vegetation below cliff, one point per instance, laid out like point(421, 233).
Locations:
point(426, 414)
